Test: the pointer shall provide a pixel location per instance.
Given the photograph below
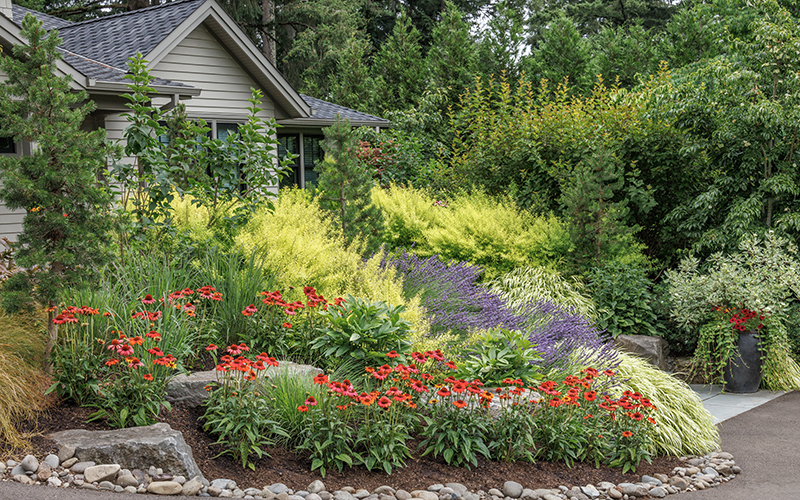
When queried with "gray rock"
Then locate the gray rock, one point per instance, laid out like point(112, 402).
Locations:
point(88, 486)
point(512, 489)
point(22, 478)
point(736, 469)
point(446, 491)
point(252, 491)
point(678, 482)
point(69, 462)
point(470, 496)
point(590, 491)
point(313, 496)
point(435, 487)
point(267, 495)
point(653, 349)
point(425, 495)
point(134, 447)
point(52, 460)
point(496, 493)
point(710, 471)
point(402, 495)
point(140, 476)
point(614, 493)
point(295, 497)
point(191, 487)
point(576, 494)
point(550, 496)
point(696, 461)
point(651, 480)
point(106, 486)
point(325, 495)
point(127, 480)
point(384, 489)
point(129, 489)
point(98, 473)
point(658, 492)
point(2, 468)
point(661, 477)
point(214, 491)
point(283, 495)
point(29, 463)
point(17, 470)
point(163, 476)
point(301, 493)
point(79, 467)
point(349, 489)
point(45, 471)
point(65, 453)
point(118, 489)
point(164, 488)
point(385, 496)
point(634, 490)
point(278, 488)
point(529, 494)
point(361, 494)
point(222, 484)
point(343, 495)
point(54, 481)
point(457, 487)
point(316, 486)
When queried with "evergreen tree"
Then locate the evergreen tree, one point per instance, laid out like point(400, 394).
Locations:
point(452, 58)
point(623, 53)
point(501, 44)
point(66, 227)
point(563, 53)
point(345, 183)
point(400, 66)
point(352, 85)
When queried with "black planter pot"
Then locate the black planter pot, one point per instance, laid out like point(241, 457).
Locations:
point(743, 372)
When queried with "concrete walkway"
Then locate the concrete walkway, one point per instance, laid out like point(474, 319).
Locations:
point(725, 405)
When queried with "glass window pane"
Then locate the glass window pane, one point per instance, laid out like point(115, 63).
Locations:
point(312, 155)
point(7, 145)
point(288, 144)
point(226, 129)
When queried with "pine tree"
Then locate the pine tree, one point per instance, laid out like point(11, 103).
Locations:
point(562, 54)
point(345, 183)
point(452, 57)
point(66, 228)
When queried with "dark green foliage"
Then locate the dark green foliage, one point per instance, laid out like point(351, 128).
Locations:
point(563, 54)
point(66, 228)
point(345, 183)
point(452, 58)
point(501, 42)
point(622, 53)
point(400, 67)
point(624, 299)
point(500, 354)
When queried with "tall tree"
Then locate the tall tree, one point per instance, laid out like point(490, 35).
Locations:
point(351, 84)
point(562, 54)
point(400, 67)
point(452, 58)
point(66, 226)
point(502, 41)
point(622, 53)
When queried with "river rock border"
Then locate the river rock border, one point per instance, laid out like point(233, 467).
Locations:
point(64, 471)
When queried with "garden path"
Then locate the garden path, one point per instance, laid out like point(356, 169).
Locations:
point(725, 405)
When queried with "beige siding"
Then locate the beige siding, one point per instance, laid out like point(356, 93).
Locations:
point(201, 61)
point(10, 223)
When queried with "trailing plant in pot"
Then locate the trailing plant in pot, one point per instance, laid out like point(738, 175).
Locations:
point(731, 294)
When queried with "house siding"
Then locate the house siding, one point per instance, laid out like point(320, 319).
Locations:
point(10, 220)
point(201, 61)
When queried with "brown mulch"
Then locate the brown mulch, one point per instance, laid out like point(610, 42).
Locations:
point(294, 470)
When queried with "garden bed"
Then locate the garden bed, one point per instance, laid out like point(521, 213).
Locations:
point(293, 470)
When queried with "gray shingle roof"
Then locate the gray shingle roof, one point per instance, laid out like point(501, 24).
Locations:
point(48, 22)
point(113, 39)
point(325, 110)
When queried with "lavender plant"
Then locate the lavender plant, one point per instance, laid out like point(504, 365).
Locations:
point(451, 296)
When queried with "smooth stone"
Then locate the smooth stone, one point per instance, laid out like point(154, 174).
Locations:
point(130, 489)
point(2, 468)
point(385, 489)
point(268, 495)
point(457, 487)
point(69, 462)
point(127, 480)
point(446, 491)
point(29, 463)
point(54, 481)
point(512, 489)
point(316, 486)
point(45, 471)
point(106, 486)
point(710, 471)
point(52, 460)
point(89, 486)
point(385, 496)
point(78, 481)
point(495, 492)
point(590, 491)
point(678, 482)
point(634, 490)
point(652, 480)
point(661, 477)
point(283, 495)
point(605, 485)
point(22, 478)
point(222, 484)
point(658, 492)
point(325, 495)
point(252, 491)
point(214, 490)
point(576, 494)
point(278, 488)
point(402, 495)
point(725, 455)
point(435, 487)
point(17, 470)
point(80, 467)
point(361, 494)
point(164, 488)
point(11, 463)
point(550, 496)
point(154, 471)
point(736, 469)
point(425, 495)
point(696, 461)
point(470, 496)
point(295, 497)
point(301, 493)
point(118, 489)
point(162, 477)
point(98, 473)
point(529, 494)
point(191, 487)
point(349, 489)
point(313, 496)
point(344, 495)
point(614, 493)
point(65, 452)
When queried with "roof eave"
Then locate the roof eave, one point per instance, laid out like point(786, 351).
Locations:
point(10, 32)
point(327, 122)
point(117, 88)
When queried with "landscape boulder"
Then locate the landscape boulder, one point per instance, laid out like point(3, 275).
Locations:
point(134, 448)
point(190, 390)
point(652, 349)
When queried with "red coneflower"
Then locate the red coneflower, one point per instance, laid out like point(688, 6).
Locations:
point(627, 434)
point(384, 402)
point(147, 376)
point(302, 408)
point(311, 401)
point(392, 354)
point(211, 347)
point(321, 379)
point(148, 299)
point(637, 416)
point(590, 396)
point(459, 403)
point(249, 310)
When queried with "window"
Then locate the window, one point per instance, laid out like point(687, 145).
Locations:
point(7, 145)
point(288, 144)
point(312, 155)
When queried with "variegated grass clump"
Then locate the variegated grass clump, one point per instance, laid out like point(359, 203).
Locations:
point(526, 285)
point(684, 426)
point(22, 380)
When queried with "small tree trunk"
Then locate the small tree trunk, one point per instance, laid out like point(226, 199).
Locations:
point(267, 31)
point(52, 336)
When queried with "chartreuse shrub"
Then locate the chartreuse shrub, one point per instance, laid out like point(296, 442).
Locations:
point(683, 427)
point(22, 380)
point(300, 246)
point(527, 285)
point(623, 295)
point(476, 228)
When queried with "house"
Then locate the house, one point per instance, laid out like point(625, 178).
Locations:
point(200, 58)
